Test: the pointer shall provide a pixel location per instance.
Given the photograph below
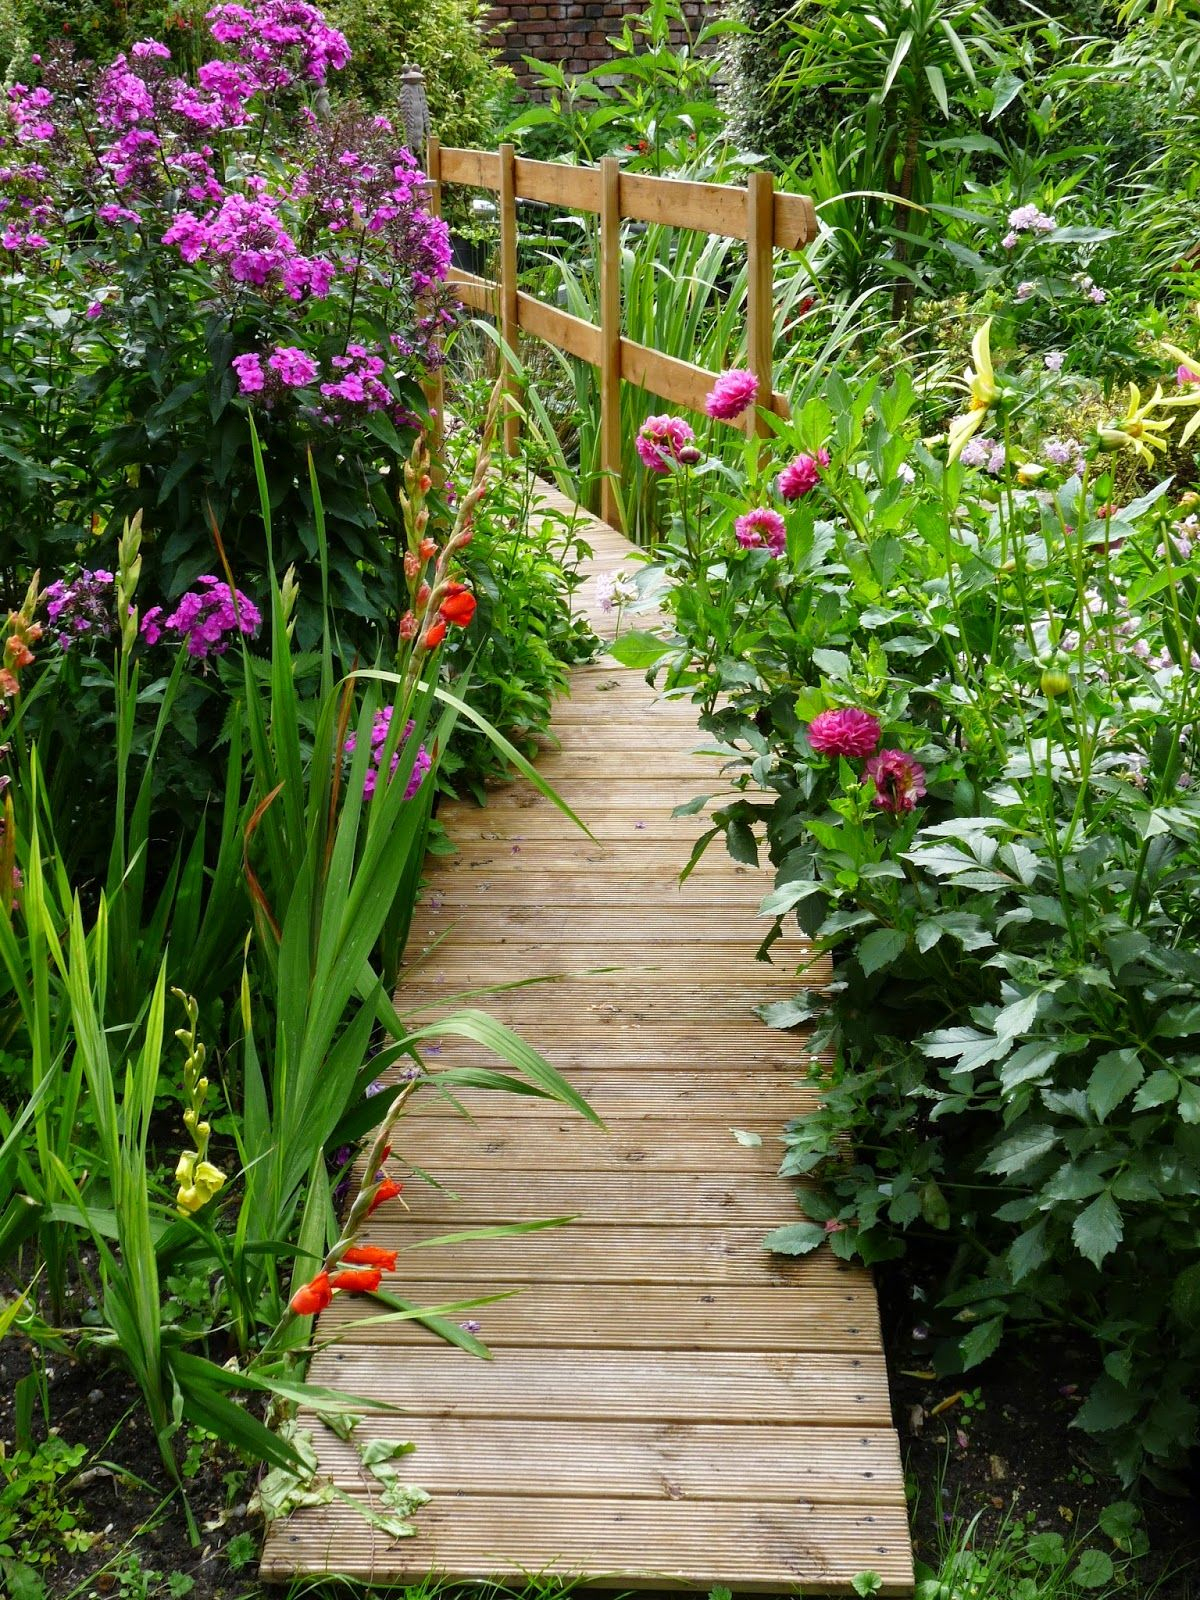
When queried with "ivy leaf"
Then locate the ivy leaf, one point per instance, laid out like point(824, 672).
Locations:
point(982, 1341)
point(796, 1239)
point(1114, 1076)
point(1099, 1230)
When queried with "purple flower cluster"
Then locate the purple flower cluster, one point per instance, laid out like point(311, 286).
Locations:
point(82, 608)
point(274, 37)
point(380, 729)
point(285, 368)
point(207, 618)
point(1026, 219)
point(247, 236)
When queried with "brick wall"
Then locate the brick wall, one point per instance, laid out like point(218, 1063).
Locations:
point(572, 32)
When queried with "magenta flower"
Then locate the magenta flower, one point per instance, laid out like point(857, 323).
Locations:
point(899, 780)
point(731, 394)
point(660, 441)
point(1185, 375)
point(761, 528)
point(294, 367)
point(379, 734)
point(250, 373)
point(845, 732)
point(802, 475)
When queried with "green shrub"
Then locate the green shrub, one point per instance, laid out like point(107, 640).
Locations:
point(995, 834)
point(464, 76)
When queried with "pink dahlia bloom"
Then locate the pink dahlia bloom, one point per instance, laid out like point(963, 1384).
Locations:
point(803, 475)
point(899, 780)
point(660, 441)
point(847, 732)
point(731, 394)
point(761, 528)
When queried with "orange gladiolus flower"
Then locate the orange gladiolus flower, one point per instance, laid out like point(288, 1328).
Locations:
point(371, 1255)
point(387, 1190)
point(363, 1282)
point(313, 1297)
point(458, 606)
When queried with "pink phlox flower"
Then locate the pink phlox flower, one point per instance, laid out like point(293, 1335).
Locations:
point(899, 780)
point(844, 732)
point(251, 377)
point(380, 728)
point(659, 441)
point(761, 528)
point(731, 394)
point(295, 368)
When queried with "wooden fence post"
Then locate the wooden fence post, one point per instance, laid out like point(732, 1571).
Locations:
point(610, 340)
point(760, 287)
point(435, 388)
point(508, 288)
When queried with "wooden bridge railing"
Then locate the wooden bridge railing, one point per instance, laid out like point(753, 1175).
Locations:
point(766, 219)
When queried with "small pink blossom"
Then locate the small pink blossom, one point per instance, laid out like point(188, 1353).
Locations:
point(802, 475)
point(251, 377)
point(1185, 375)
point(731, 394)
point(660, 440)
point(899, 780)
point(761, 528)
point(845, 732)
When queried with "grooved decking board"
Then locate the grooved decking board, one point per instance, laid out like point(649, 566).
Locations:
point(667, 1403)
point(619, 1543)
point(826, 1316)
point(634, 1460)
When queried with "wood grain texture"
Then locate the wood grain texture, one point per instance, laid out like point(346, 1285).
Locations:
point(667, 1403)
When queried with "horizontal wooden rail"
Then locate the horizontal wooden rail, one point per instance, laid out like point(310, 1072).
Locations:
point(764, 219)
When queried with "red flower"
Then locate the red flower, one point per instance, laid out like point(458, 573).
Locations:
point(427, 549)
point(313, 1297)
point(371, 1255)
point(364, 1282)
point(434, 634)
point(387, 1190)
point(458, 606)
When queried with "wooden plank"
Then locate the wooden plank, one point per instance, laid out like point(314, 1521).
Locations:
point(667, 1386)
point(760, 291)
point(649, 1199)
point(506, 157)
point(631, 1461)
point(647, 1093)
point(593, 1253)
point(679, 382)
point(480, 169)
point(795, 221)
point(572, 334)
point(715, 208)
point(767, 1547)
point(474, 291)
point(557, 184)
point(558, 1315)
point(657, 1145)
point(560, 926)
point(611, 343)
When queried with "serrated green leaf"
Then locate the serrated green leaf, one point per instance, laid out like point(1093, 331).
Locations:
point(795, 1239)
point(880, 948)
point(982, 1341)
point(1114, 1077)
point(1099, 1229)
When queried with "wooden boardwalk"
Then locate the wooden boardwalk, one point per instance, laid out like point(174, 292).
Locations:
point(668, 1404)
